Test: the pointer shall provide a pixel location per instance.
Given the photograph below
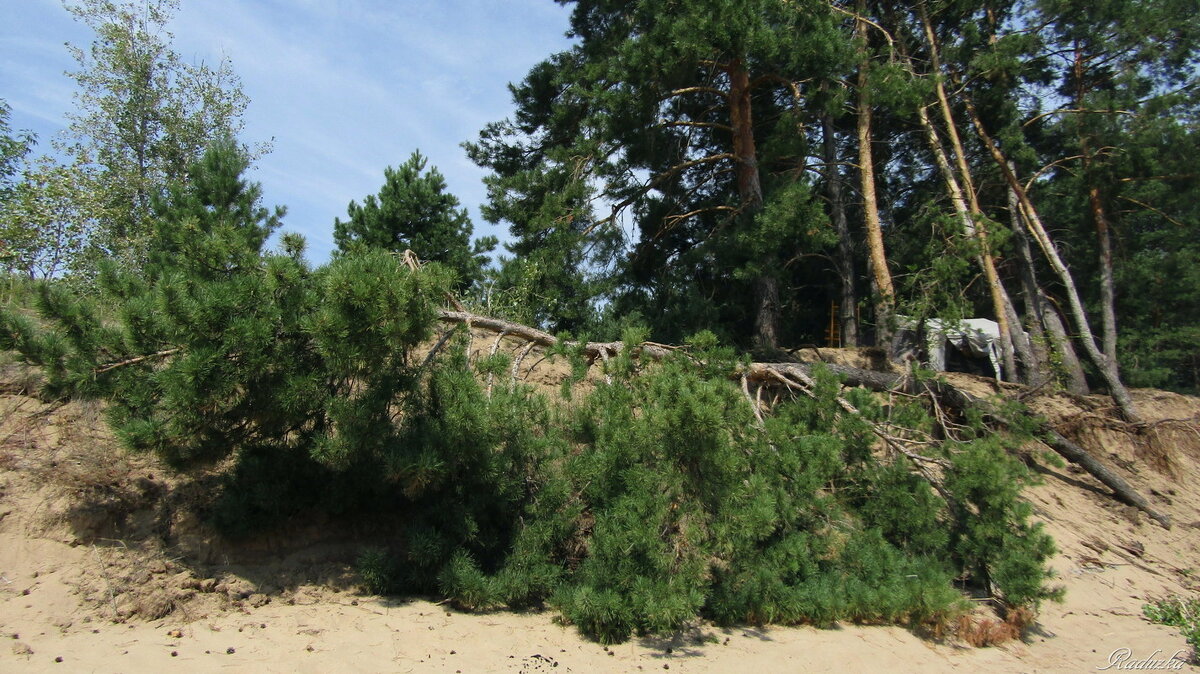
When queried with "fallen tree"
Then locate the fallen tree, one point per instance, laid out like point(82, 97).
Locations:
point(798, 376)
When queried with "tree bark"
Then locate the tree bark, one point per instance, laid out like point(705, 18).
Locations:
point(1042, 319)
point(883, 290)
point(1061, 341)
point(999, 297)
point(1037, 365)
point(741, 119)
point(847, 298)
point(744, 151)
point(1029, 370)
point(1001, 304)
point(1108, 311)
point(1107, 367)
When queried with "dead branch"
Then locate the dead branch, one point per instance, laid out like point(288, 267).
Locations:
point(1148, 207)
point(1079, 111)
point(655, 182)
point(495, 347)
point(699, 125)
point(133, 361)
point(696, 90)
point(436, 348)
point(754, 403)
point(799, 377)
point(516, 366)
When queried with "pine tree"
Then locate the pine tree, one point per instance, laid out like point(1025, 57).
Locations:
point(664, 112)
point(562, 259)
point(414, 211)
point(218, 347)
point(1124, 67)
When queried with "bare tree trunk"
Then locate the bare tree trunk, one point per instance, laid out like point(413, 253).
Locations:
point(947, 114)
point(1039, 312)
point(968, 207)
point(766, 286)
point(1037, 363)
point(1108, 311)
point(1029, 363)
point(1061, 342)
point(1106, 366)
point(848, 299)
point(883, 290)
point(985, 260)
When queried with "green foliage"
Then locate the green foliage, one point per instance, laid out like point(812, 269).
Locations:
point(638, 116)
point(413, 211)
point(468, 586)
point(143, 115)
point(376, 570)
point(1181, 613)
point(687, 509)
point(38, 235)
point(996, 542)
point(655, 499)
point(937, 288)
point(44, 218)
point(12, 149)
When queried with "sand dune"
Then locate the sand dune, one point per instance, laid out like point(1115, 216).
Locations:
point(89, 583)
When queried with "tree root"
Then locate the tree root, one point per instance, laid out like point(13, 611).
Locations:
point(799, 376)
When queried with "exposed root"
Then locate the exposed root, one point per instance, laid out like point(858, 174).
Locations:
point(798, 377)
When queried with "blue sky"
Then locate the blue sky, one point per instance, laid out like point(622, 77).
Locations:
point(344, 87)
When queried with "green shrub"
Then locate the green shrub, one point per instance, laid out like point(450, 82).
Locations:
point(1181, 613)
point(376, 570)
point(466, 584)
point(656, 499)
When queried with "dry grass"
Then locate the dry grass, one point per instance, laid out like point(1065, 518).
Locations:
point(982, 632)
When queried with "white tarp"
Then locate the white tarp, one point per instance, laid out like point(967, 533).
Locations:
point(978, 337)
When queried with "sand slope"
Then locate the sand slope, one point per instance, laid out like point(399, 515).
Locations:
point(96, 571)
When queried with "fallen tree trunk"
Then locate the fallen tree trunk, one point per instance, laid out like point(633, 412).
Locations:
point(781, 373)
point(960, 400)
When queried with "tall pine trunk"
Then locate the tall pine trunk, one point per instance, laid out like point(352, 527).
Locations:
point(883, 291)
point(1108, 312)
point(1044, 323)
point(1083, 327)
point(985, 260)
point(766, 286)
point(964, 198)
point(847, 298)
point(1038, 363)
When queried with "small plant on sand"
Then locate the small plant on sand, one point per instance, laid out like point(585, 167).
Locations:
point(1181, 613)
point(376, 570)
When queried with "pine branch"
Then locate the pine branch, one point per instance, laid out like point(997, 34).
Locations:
point(799, 376)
